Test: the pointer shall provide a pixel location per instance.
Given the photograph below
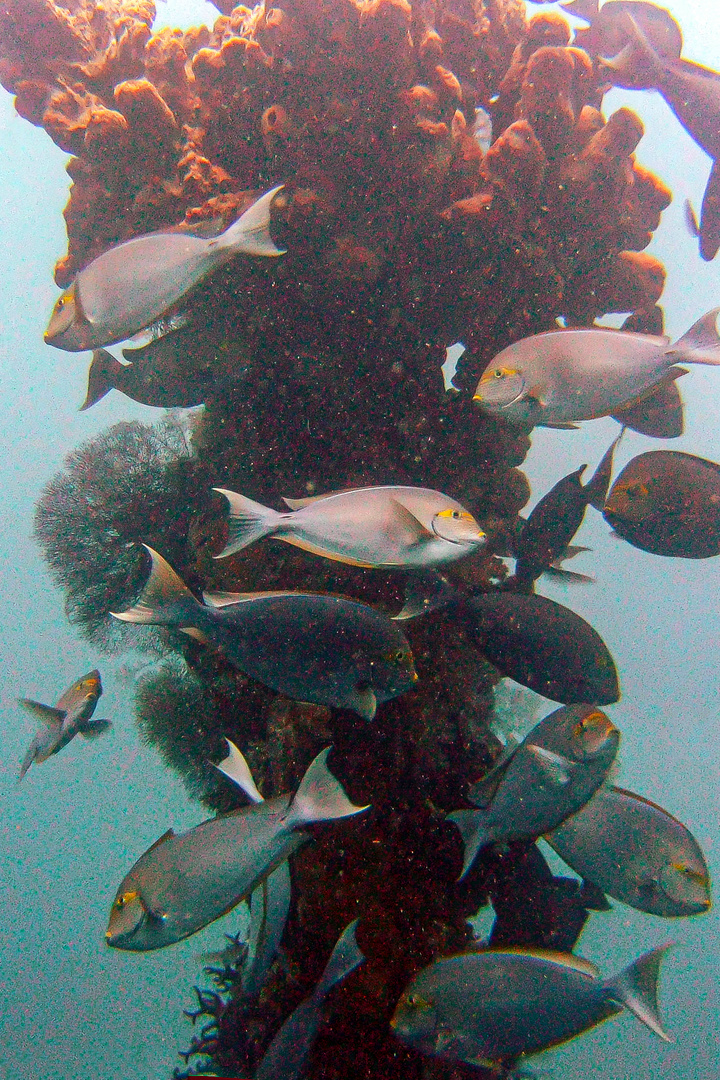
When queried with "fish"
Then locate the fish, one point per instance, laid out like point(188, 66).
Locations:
point(563, 376)
point(550, 528)
point(184, 882)
point(667, 502)
point(489, 1008)
point(136, 283)
point(61, 722)
point(269, 908)
point(289, 1051)
point(309, 647)
point(635, 852)
point(693, 93)
point(376, 526)
point(608, 30)
point(174, 371)
point(558, 766)
point(531, 639)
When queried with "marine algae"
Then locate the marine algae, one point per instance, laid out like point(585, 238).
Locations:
point(403, 236)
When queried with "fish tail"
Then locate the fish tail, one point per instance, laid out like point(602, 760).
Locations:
point(236, 768)
point(27, 760)
point(92, 728)
point(247, 521)
point(636, 988)
point(101, 377)
point(637, 59)
point(344, 958)
point(472, 826)
point(165, 599)
point(424, 593)
point(320, 796)
point(596, 488)
point(250, 234)
point(701, 343)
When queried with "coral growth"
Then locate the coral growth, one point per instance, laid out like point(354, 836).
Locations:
point(402, 237)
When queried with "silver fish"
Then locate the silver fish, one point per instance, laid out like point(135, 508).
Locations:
point(309, 647)
point(136, 283)
point(184, 882)
point(70, 716)
point(288, 1053)
point(489, 1008)
point(635, 852)
point(562, 376)
point(558, 766)
point(376, 526)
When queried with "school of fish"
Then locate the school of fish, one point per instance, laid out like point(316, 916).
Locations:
point(487, 1007)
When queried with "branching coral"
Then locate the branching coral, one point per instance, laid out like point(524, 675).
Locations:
point(402, 237)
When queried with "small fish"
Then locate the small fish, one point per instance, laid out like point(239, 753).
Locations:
point(184, 882)
point(635, 852)
point(668, 503)
point(172, 372)
point(288, 1053)
point(556, 378)
point(70, 716)
point(531, 639)
point(482, 130)
point(376, 526)
point(489, 1008)
point(136, 283)
point(269, 908)
point(558, 766)
point(556, 518)
point(693, 93)
point(309, 647)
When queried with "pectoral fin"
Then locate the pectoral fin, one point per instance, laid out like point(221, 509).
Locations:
point(364, 702)
point(557, 768)
point(46, 714)
point(408, 526)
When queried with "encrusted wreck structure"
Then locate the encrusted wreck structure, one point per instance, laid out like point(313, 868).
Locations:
point(404, 233)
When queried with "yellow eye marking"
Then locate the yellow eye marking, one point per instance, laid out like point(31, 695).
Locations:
point(694, 875)
point(126, 898)
point(417, 1002)
point(456, 515)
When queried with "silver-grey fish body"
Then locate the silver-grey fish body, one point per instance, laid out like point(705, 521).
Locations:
point(559, 765)
point(580, 374)
point(489, 1008)
point(60, 723)
point(189, 880)
point(635, 852)
point(269, 907)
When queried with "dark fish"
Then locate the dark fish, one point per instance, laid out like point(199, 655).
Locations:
point(172, 372)
point(184, 882)
point(608, 30)
point(636, 852)
point(59, 723)
point(288, 1053)
point(693, 93)
point(530, 639)
point(557, 517)
point(132, 285)
point(557, 767)
point(489, 1008)
point(309, 647)
point(668, 503)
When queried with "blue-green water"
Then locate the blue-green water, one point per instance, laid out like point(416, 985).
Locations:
point(74, 1010)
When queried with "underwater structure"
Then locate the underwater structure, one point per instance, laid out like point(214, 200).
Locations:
point(407, 227)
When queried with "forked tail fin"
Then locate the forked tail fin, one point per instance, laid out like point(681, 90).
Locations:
point(636, 988)
point(701, 343)
point(472, 827)
point(250, 234)
point(320, 796)
point(247, 521)
point(102, 376)
point(344, 958)
point(165, 599)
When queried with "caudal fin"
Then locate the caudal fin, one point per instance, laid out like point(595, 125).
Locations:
point(320, 796)
point(425, 592)
point(637, 65)
point(165, 599)
point(344, 958)
point(636, 988)
point(701, 343)
point(102, 376)
point(247, 521)
point(250, 234)
point(236, 768)
point(472, 826)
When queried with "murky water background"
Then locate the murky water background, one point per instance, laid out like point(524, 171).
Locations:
point(74, 1010)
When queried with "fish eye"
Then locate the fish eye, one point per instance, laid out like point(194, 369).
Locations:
point(456, 514)
point(400, 656)
point(60, 304)
point(124, 899)
point(498, 373)
point(417, 1002)
point(693, 875)
point(636, 489)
